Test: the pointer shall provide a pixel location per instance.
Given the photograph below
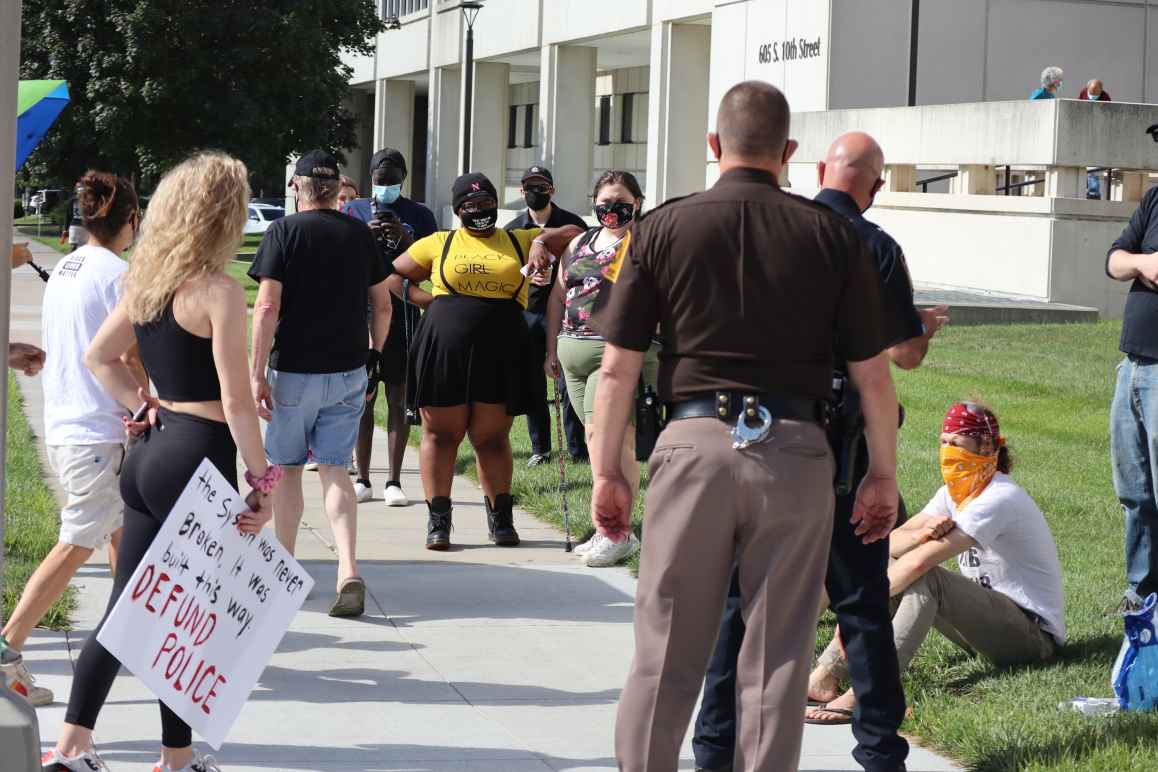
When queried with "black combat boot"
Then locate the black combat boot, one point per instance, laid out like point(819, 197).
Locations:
point(501, 520)
point(438, 525)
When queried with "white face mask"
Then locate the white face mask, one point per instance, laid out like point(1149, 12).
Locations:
point(1092, 96)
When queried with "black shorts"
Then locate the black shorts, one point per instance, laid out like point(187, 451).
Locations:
point(472, 350)
point(392, 365)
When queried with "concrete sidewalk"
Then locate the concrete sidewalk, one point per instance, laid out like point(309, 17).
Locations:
point(480, 658)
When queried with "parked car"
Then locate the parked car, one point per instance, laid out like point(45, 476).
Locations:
point(260, 216)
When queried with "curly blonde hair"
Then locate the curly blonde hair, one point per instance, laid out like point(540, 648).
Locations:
point(193, 227)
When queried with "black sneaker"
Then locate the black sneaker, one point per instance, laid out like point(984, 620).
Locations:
point(438, 524)
point(538, 459)
point(501, 521)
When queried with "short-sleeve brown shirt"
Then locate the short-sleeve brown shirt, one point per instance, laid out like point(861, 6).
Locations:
point(753, 289)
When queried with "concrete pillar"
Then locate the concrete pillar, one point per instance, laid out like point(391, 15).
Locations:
point(394, 120)
point(443, 148)
point(1065, 182)
point(488, 124)
point(976, 180)
point(567, 121)
point(678, 119)
point(900, 178)
point(1132, 187)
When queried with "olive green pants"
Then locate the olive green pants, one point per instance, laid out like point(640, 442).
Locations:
point(581, 359)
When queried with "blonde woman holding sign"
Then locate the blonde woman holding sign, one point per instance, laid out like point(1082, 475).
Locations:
point(188, 318)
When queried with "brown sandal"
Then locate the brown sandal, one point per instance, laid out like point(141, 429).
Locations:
point(351, 600)
point(844, 716)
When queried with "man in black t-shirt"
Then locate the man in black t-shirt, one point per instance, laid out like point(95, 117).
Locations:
point(315, 270)
point(542, 212)
point(1133, 257)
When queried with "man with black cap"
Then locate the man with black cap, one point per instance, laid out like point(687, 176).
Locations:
point(397, 221)
point(316, 269)
point(542, 212)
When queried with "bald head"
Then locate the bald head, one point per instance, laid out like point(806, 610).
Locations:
point(752, 123)
point(1094, 87)
point(854, 165)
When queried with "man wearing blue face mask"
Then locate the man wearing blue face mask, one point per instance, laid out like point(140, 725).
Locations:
point(402, 220)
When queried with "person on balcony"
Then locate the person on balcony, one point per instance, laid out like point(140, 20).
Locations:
point(1094, 92)
point(1051, 83)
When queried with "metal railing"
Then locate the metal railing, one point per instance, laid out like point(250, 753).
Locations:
point(925, 183)
point(399, 8)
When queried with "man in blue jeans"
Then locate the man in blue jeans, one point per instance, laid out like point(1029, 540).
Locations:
point(1134, 412)
point(856, 579)
point(316, 269)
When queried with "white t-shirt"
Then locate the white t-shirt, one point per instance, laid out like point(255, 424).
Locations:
point(84, 289)
point(1015, 553)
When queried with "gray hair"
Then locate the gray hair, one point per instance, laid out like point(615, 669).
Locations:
point(1051, 76)
point(313, 190)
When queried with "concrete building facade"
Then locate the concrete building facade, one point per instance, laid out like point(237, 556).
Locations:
point(587, 85)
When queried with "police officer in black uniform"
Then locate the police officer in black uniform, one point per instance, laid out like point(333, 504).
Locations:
point(856, 580)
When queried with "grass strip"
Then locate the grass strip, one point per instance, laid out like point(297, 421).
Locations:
point(31, 510)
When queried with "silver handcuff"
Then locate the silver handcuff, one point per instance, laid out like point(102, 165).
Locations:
point(743, 434)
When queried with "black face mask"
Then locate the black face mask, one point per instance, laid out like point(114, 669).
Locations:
point(536, 201)
point(482, 220)
point(615, 215)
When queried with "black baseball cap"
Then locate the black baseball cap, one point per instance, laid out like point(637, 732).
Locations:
point(538, 171)
point(318, 164)
point(470, 186)
point(388, 156)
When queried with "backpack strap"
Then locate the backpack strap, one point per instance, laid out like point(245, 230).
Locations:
point(588, 237)
point(442, 264)
point(522, 262)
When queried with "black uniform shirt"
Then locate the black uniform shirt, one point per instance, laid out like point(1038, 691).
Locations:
point(902, 321)
point(536, 295)
point(1140, 320)
point(750, 286)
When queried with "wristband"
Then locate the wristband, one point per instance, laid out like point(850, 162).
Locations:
point(268, 481)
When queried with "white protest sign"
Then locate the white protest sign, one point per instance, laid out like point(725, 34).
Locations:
point(206, 607)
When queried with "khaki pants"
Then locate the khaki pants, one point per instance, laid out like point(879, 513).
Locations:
point(767, 508)
point(979, 620)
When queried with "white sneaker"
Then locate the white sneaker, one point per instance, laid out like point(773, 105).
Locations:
point(85, 762)
point(609, 553)
point(363, 491)
point(394, 496)
point(582, 549)
point(312, 466)
point(24, 683)
point(198, 764)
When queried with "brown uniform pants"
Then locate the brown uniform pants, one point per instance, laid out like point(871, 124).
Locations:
point(767, 508)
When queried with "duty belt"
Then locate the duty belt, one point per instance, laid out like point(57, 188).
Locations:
point(753, 414)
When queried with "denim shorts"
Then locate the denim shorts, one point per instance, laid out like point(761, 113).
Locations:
point(314, 412)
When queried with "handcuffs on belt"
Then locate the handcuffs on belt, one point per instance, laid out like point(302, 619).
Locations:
point(744, 434)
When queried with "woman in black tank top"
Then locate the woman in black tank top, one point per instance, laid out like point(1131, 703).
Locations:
point(189, 319)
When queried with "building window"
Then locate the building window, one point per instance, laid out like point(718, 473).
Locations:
point(398, 8)
point(529, 126)
point(604, 120)
point(628, 113)
point(513, 126)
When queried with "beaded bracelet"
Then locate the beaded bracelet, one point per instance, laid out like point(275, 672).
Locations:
point(268, 481)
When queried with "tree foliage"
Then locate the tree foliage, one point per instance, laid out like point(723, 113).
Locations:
point(154, 80)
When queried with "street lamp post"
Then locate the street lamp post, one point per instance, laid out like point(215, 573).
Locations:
point(470, 11)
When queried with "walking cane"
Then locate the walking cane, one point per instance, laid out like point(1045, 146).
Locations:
point(561, 443)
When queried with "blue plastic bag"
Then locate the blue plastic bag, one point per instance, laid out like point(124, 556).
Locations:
point(1135, 674)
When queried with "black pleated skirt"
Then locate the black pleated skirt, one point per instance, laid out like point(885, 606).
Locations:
point(469, 349)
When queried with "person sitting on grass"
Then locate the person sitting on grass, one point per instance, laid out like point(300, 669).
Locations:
point(1006, 604)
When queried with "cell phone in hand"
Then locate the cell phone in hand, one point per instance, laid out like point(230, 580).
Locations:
point(140, 413)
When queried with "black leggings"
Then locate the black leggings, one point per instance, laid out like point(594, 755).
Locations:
point(154, 474)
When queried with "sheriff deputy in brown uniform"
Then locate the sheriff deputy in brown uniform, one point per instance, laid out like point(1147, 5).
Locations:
point(750, 287)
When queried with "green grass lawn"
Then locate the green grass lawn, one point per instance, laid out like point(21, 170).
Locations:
point(1051, 386)
point(32, 516)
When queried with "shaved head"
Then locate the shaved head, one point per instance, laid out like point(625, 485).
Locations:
point(752, 122)
point(854, 165)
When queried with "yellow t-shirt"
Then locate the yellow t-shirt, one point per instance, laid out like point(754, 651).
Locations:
point(478, 267)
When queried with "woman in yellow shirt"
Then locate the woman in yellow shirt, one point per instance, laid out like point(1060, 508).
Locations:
point(470, 369)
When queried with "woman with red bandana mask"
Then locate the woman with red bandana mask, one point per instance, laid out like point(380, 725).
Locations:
point(1006, 604)
point(574, 348)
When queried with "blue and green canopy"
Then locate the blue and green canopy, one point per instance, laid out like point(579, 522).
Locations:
point(38, 103)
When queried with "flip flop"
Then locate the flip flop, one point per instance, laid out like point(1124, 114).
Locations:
point(351, 600)
point(844, 714)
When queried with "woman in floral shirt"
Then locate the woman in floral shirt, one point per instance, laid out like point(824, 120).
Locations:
point(574, 349)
